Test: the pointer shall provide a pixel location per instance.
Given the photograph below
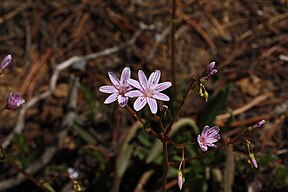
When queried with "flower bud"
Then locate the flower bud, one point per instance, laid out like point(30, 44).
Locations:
point(253, 161)
point(210, 70)
point(14, 101)
point(181, 179)
point(5, 62)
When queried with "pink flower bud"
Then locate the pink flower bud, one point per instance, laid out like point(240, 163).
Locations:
point(259, 124)
point(210, 70)
point(5, 62)
point(181, 179)
point(14, 101)
point(253, 160)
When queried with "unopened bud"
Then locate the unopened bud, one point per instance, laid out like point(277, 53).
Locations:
point(210, 70)
point(5, 62)
point(181, 179)
point(253, 161)
point(14, 101)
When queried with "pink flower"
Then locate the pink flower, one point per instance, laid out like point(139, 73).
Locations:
point(14, 101)
point(118, 88)
point(148, 91)
point(208, 137)
point(5, 62)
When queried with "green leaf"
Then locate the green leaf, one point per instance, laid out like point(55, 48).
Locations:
point(49, 187)
point(213, 107)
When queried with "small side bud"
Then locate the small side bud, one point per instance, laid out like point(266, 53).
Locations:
point(73, 174)
point(259, 124)
point(203, 93)
point(14, 101)
point(5, 62)
point(253, 161)
point(163, 110)
point(181, 179)
point(210, 70)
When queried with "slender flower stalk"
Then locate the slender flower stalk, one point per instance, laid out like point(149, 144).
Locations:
point(14, 101)
point(118, 88)
point(148, 91)
point(208, 137)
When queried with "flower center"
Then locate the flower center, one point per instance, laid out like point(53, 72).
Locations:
point(122, 90)
point(148, 93)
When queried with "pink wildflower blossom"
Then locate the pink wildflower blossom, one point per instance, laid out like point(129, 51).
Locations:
point(148, 91)
point(208, 137)
point(118, 87)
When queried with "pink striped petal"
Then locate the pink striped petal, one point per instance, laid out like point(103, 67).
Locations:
point(111, 98)
point(135, 93)
point(108, 89)
point(162, 86)
point(122, 100)
point(154, 78)
point(126, 73)
point(140, 103)
point(142, 79)
point(152, 105)
point(134, 83)
point(161, 96)
point(114, 79)
point(205, 130)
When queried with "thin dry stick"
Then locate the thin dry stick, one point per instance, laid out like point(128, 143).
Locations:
point(79, 60)
point(50, 151)
point(246, 107)
point(172, 49)
point(6, 159)
point(144, 178)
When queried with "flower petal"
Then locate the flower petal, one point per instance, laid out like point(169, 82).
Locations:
point(140, 103)
point(134, 83)
point(162, 86)
point(111, 98)
point(154, 78)
point(134, 93)
point(152, 105)
point(213, 131)
point(126, 73)
point(161, 96)
point(122, 100)
point(114, 79)
point(108, 89)
point(204, 131)
point(142, 79)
